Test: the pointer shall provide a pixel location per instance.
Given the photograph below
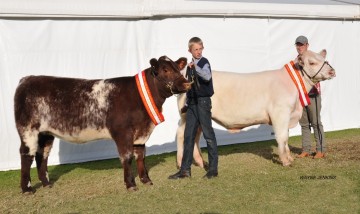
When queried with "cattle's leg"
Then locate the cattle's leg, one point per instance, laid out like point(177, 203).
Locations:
point(180, 146)
point(180, 142)
point(199, 160)
point(125, 148)
point(129, 179)
point(287, 150)
point(139, 152)
point(282, 144)
point(26, 161)
point(45, 145)
point(281, 129)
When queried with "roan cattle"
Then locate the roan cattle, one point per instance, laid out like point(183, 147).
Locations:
point(268, 97)
point(79, 110)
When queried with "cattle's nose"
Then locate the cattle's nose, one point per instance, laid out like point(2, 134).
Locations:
point(332, 73)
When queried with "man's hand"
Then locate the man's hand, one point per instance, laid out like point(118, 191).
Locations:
point(183, 109)
point(191, 64)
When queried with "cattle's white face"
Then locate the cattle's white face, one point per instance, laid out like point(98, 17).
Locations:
point(315, 67)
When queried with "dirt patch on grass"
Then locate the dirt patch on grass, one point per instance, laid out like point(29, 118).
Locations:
point(347, 149)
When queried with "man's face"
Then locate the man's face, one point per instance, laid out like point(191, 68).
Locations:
point(196, 50)
point(301, 48)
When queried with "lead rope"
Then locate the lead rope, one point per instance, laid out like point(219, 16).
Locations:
point(308, 116)
point(318, 126)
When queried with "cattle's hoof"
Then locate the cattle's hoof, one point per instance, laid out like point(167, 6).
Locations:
point(287, 164)
point(206, 166)
point(28, 192)
point(146, 181)
point(132, 189)
point(48, 186)
point(291, 159)
point(149, 183)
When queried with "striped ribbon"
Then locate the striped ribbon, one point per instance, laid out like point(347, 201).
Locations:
point(299, 83)
point(147, 99)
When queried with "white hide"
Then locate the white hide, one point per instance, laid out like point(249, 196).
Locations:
point(268, 97)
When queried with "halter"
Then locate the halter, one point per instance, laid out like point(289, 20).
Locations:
point(168, 84)
point(312, 78)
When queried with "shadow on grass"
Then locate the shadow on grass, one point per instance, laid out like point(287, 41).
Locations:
point(56, 172)
point(264, 149)
point(346, 149)
point(267, 149)
point(245, 142)
point(295, 150)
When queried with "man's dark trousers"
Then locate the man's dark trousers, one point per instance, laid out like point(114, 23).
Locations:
point(199, 114)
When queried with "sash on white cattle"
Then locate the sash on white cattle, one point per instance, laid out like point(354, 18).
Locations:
point(147, 99)
point(299, 83)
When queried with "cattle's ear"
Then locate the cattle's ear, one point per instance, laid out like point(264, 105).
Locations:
point(300, 60)
point(181, 62)
point(154, 66)
point(323, 53)
point(154, 62)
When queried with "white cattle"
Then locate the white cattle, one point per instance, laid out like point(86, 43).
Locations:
point(268, 97)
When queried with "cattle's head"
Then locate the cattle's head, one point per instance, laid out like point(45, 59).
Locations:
point(315, 67)
point(167, 72)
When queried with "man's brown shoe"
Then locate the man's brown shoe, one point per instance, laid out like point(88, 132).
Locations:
point(303, 154)
point(319, 155)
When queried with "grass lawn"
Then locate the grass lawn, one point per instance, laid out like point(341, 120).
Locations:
point(251, 180)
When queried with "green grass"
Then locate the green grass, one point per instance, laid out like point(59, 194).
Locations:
point(251, 180)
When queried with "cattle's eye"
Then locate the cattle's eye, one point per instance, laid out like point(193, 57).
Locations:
point(165, 69)
point(312, 63)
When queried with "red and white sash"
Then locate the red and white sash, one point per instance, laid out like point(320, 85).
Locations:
point(299, 83)
point(147, 99)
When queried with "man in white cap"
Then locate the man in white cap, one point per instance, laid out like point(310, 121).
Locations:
point(311, 114)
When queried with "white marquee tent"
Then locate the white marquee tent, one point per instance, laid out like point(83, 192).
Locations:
point(103, 39)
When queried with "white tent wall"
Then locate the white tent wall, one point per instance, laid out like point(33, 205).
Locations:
point(99, 48)
point(343, 9)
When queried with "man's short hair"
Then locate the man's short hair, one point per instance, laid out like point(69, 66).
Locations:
point(195, 40)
